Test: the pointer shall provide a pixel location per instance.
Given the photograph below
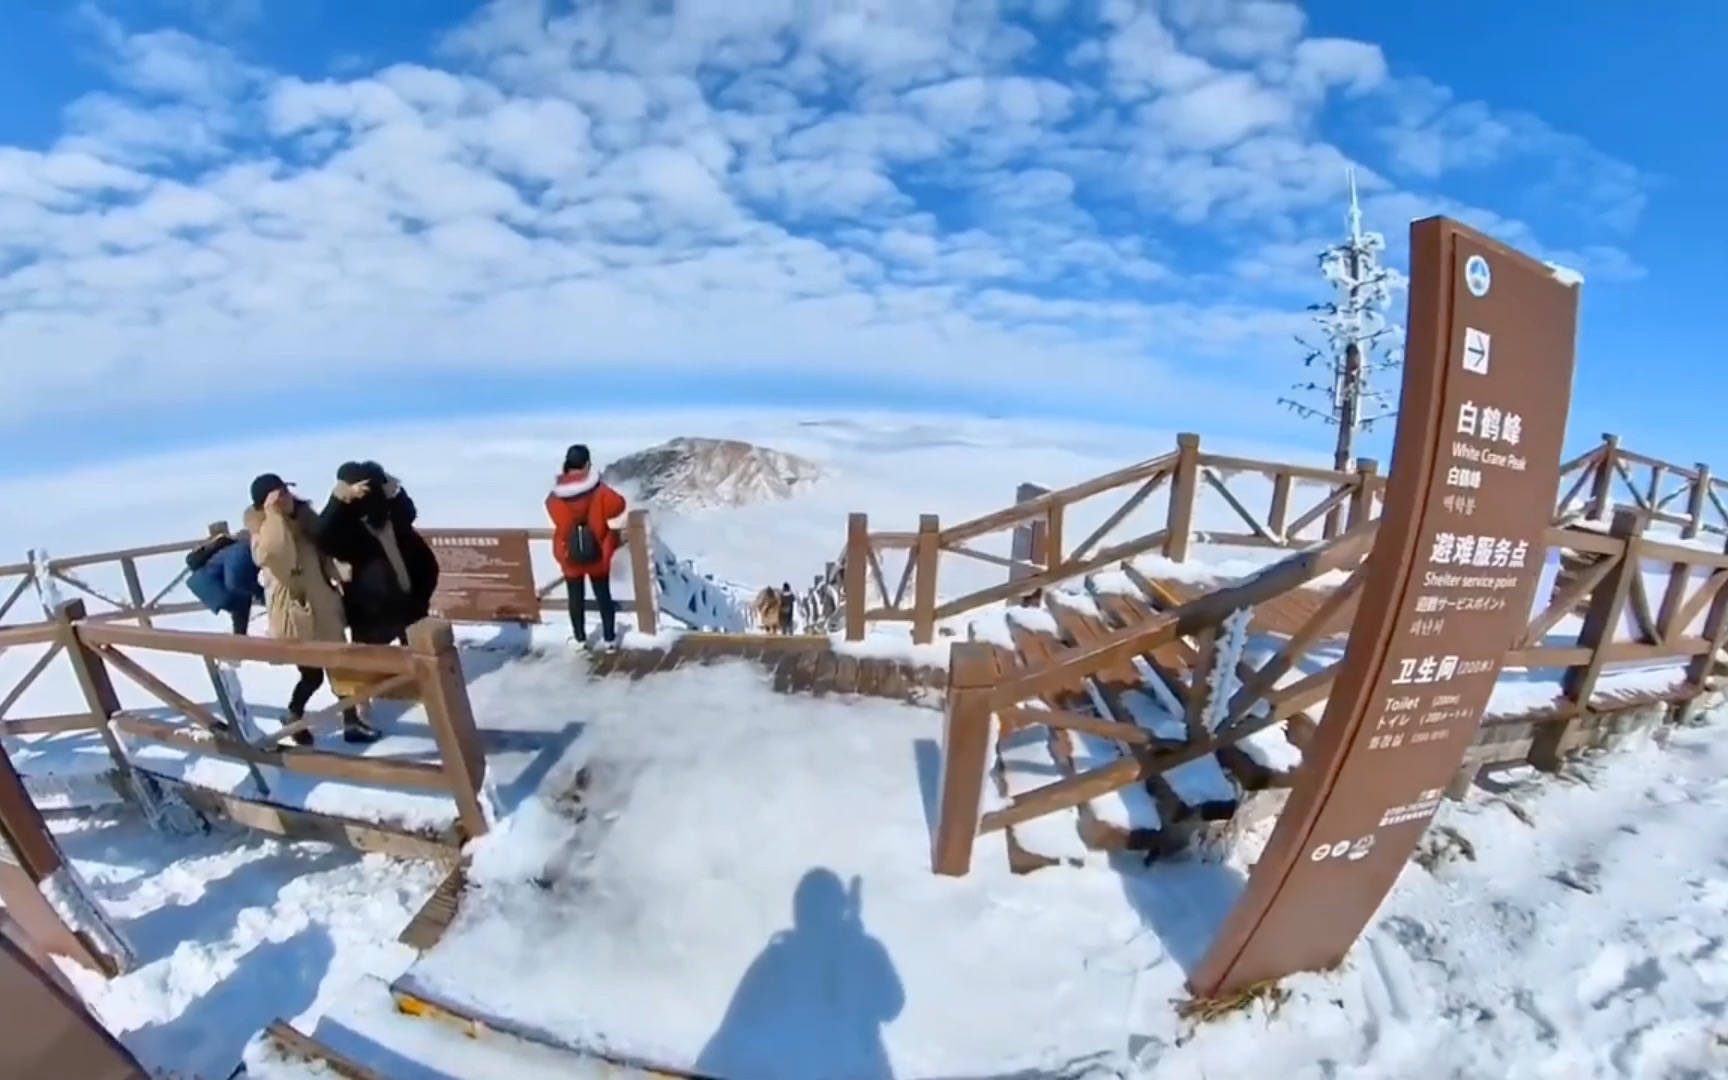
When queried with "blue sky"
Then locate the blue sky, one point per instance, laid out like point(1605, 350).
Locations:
point(222, 217)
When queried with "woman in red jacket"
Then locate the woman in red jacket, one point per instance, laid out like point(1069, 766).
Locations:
point(582, 510)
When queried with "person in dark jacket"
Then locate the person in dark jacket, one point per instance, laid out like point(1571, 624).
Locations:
point(227, 580)
point(368, 523)
point(788, 608)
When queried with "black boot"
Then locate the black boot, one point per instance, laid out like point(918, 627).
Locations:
point(304, 736)
point(357, 730)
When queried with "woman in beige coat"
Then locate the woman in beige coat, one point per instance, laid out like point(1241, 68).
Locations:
point(302, 602)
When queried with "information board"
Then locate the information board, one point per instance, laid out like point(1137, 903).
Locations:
point(484, 577)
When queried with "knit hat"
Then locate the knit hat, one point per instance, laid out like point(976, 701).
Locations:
point(577, 458)
point(263, 486)
point(354, 472)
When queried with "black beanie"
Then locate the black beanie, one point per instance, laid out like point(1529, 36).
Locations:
point(577, 458)
point(353, 472)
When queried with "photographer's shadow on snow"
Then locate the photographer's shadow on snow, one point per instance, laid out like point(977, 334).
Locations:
point(813, 1003)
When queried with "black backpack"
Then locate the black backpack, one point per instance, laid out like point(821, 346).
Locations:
point(581, 546)
point(203, 553)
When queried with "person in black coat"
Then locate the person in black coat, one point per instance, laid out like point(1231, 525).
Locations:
point(368, 523)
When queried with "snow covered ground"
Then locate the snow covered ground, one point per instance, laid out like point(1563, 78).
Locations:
point(233, 930)
point(749, 897)
point(725, 799)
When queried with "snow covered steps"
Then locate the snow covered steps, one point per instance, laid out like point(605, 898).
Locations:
point(799, 664)
point(1158, 816)
point(282, 1052)
point(377, 1033)
point(407, 1025)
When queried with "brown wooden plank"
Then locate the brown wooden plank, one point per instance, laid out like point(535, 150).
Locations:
point(429, 924)
point(291, 1043)
point(822, 679)
point(846, 673)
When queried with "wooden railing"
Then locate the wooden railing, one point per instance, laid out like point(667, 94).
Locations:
point(1345, 500)
point(26, 588)
point(428, 670)
point(1646, 603)
point(1298, 506)
point(1610, 477)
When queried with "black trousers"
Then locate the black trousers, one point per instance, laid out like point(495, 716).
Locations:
point(575, 590)
point(242, 620)
point(311, 679)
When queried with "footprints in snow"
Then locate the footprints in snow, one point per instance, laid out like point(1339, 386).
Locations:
point(1617, 974)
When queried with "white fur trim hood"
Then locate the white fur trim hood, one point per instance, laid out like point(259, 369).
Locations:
point(575, 486)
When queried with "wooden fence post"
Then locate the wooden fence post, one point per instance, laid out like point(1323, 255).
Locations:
point(855, 574)
point(1701, 667)
point(1184, 485)
point(1602, 485)
point(444, 692)
point(965, 758)
point(98, 687)
point(642, 572)
point(1278, 515)
point(1697, 499)
point(1053, 536)
point(927, 550)
point(1362, 498)
point(1554, 739)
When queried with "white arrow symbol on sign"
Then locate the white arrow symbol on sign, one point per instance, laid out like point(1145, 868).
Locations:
point(1476, 344)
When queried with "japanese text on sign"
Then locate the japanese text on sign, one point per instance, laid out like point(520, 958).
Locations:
point(1427, 604)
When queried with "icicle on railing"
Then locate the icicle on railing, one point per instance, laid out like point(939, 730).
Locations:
point(231, 700)
point(69, 894)
point(1224, 682)
point(47, 588)
point(165, 809)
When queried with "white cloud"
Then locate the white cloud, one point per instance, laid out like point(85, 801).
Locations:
point(915, 191)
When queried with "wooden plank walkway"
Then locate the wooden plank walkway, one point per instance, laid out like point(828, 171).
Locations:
point(428, 925)
point(799, 664)
point(1282, 615)
point(295, 1045)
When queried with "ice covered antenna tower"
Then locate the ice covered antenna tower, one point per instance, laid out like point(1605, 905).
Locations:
point(1360, 343)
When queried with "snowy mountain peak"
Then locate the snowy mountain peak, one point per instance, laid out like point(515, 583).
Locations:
point(689, 472)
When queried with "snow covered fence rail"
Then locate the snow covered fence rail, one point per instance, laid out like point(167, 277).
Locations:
point(427, 672)
point(1649, 642)
point(491, 575)
point(1609, 477)
point(111, 583)
point(1153, 507)
point(1166, 505)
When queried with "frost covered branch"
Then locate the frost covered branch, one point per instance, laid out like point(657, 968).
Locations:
point(1359, 341)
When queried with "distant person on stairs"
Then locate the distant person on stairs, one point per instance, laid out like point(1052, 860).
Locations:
point(224, 578)
point(768, 610)
point(368, 523)
point(582, 509)
point(298, 592)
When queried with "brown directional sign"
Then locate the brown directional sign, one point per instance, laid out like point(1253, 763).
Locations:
point(46, 1032)
point(484, 576)
point(1450, 580)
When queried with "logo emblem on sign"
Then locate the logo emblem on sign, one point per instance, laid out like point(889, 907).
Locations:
point(1477, 277)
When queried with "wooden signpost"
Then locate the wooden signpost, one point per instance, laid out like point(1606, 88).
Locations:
point(1487, 386)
